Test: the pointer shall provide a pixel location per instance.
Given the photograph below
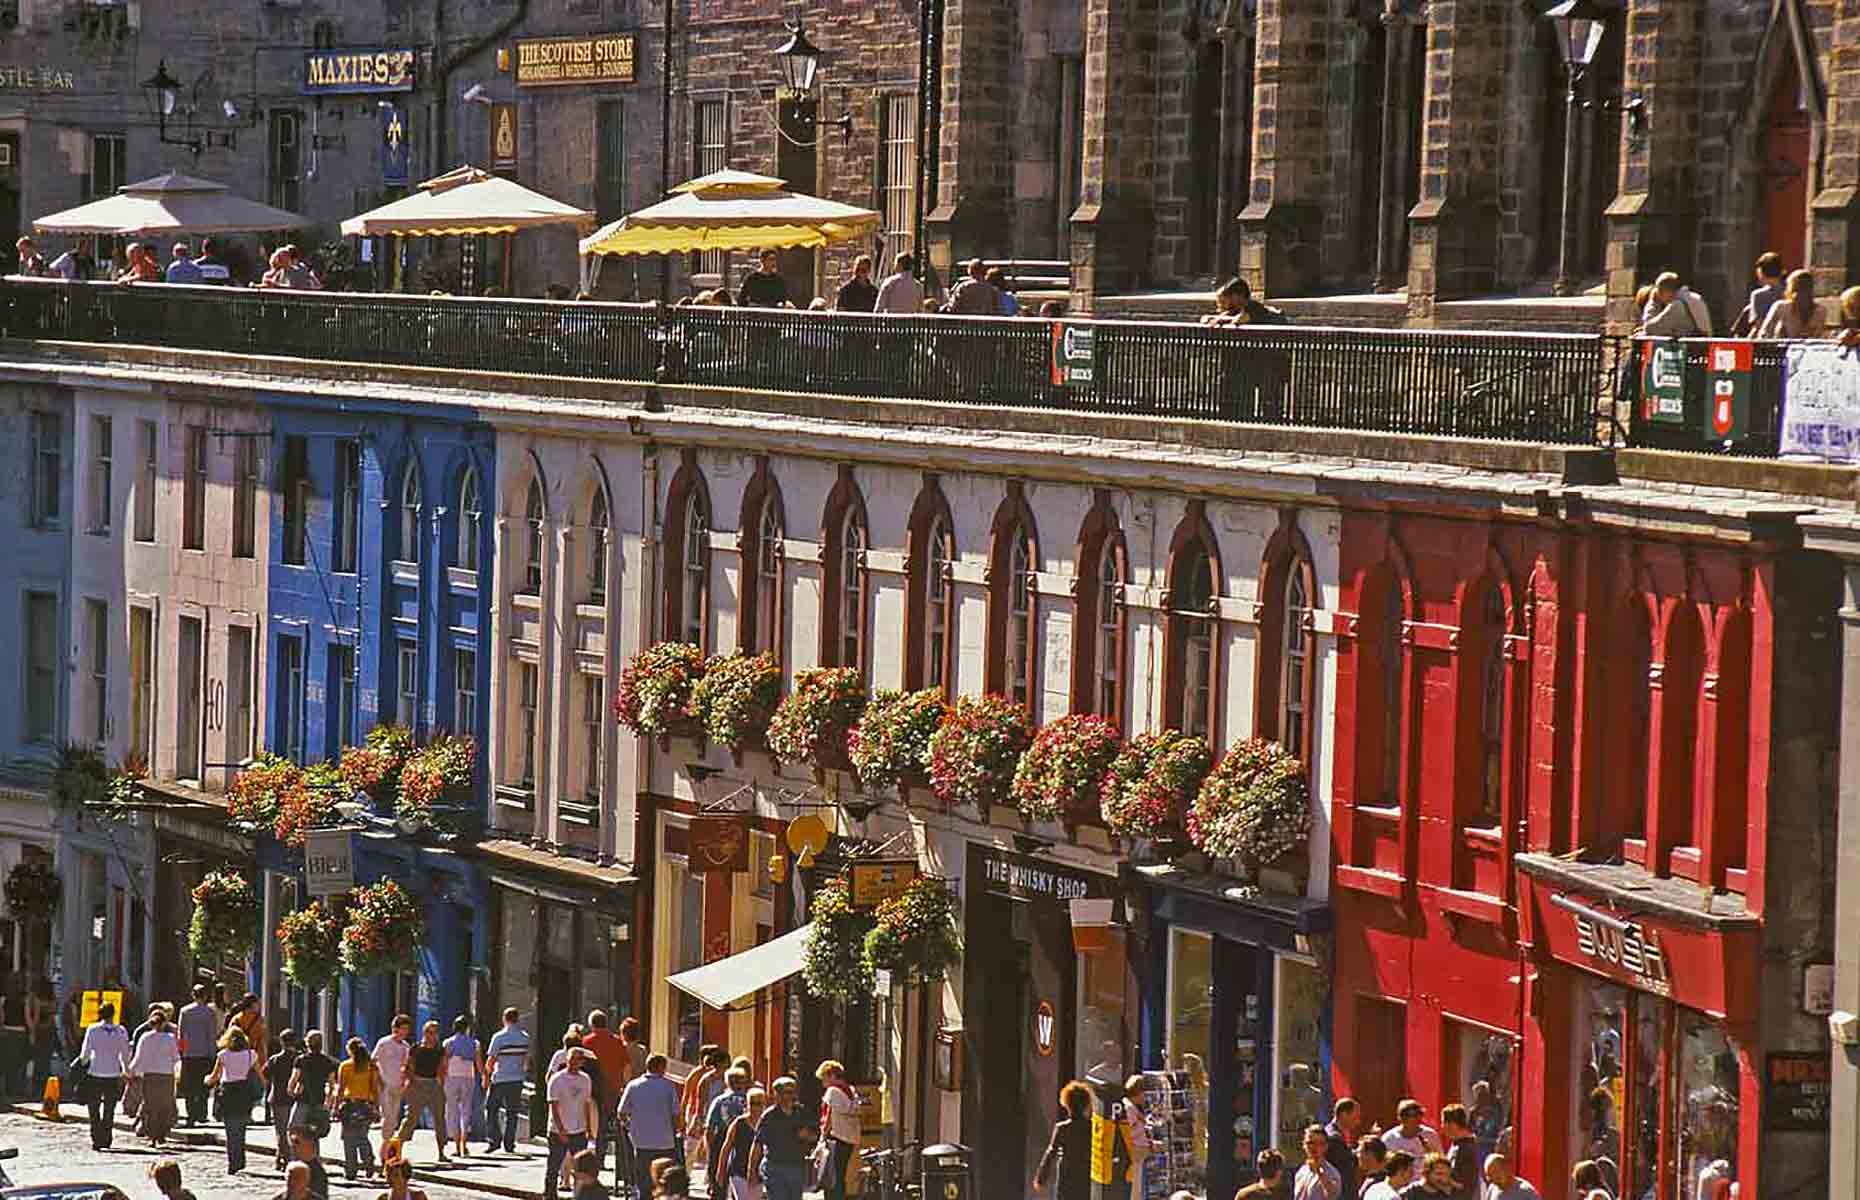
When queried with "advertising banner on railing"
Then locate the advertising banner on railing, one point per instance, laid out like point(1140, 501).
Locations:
point(1727, 391)
point(1663, 382)
point(1821, 402)
point(1073, 354)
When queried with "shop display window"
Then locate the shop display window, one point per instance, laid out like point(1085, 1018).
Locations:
point(1601, 1092)
point(1484, 1061)
point(1191, 1024)
point(516, 973)
point(1100, 1030)
point(1707, 1108)
point(1301, 1099)
point(1648, 1115)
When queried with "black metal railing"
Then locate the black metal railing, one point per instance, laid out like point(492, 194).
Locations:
point(1649, 425)
point(1512, 386)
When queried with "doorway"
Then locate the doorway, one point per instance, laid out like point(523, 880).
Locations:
point(1784, 150)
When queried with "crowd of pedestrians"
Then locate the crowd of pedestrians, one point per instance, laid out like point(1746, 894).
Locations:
point(1781, 305)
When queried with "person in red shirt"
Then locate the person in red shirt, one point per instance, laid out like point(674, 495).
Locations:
point(610, 1074)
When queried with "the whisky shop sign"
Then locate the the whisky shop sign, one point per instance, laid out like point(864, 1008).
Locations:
point(549, 62)
point(376, 69)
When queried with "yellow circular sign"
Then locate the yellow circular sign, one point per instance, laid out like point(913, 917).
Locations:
point(807, 836)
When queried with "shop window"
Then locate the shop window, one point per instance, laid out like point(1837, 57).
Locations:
point(148, 441)
point(1602, 1095)
point(245, 498)
point(194, 490)
point(1482, 1072)
point(845, 584)
point(533, 538)
point(687, 566)
point(348, 514)
point(930, 613)
point(471, 518)
point(1301, 1099)
point(1708, 1080)
point(294, 497)
point(1191, 1042)
point(597, 546)
point(1493, 627)
point(1192, 626)
point(1012, 620)
point(516, 966)
point(189, 682)
point(102, 454)
point(410, 514)
point(1647, 1116)
point(760, 612)
point(1098, 638)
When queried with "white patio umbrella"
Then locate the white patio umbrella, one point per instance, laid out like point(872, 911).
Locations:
point(171, 203)
point(465, 202)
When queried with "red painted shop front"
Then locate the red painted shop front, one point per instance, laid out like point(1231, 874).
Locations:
point(1639, 1045)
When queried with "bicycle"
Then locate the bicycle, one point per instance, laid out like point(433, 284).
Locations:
point(891, 1170)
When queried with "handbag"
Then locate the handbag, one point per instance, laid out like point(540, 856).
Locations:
point(77, 1071)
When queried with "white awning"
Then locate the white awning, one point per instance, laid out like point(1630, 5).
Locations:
point(724, 982)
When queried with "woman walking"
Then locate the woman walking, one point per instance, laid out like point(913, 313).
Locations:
point(422, 1094)
point(157, 1057)
point(733, 1153)
point(464, 1068)
point(839, 1125)
point(356, 1091)
point(1067, 1161)
point(234, 1072)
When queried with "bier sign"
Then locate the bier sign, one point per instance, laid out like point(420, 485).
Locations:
point(1727, 391)
point(604, 58)
point(329, 862)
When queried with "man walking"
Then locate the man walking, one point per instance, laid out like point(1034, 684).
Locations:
point(1346, 1119)
point(610, 1053)
point(106, 1050)
point(730, 1104)
point(899, 292)
point(390, 1057)
point(1317, 1179)
point(571, 1117)
point(199, 1037)
point(509, 1058)
point(649, 1114)
point(778, 1156)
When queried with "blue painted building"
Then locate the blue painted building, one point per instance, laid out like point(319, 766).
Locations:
point(379, 601)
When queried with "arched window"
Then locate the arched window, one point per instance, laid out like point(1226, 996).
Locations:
point(695, 627)
point(1192, 627)
point(939, 605)
point(1492, 710)
point(1294, 663)
point(410, 515)
point(471, 517)
point(597, 547)
point(1109, 632)
point(533, 538)
point(852, 588)
point(768, 579)
point(1019, 663)
point(1013, 619)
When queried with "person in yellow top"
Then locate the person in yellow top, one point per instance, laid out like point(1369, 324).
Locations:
point(353, 1094)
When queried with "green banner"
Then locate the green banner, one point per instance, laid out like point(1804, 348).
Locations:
point(1663, 382)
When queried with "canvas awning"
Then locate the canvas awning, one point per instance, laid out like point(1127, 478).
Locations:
point(732, 210)
point(722, 983)
point(171, 203)
point(465, 202)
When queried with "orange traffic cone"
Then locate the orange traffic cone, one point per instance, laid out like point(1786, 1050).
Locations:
point(48, 1105)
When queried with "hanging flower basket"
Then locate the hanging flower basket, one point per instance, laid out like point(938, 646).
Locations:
point(225, 921)
point(311, 942)
point(32, 891)
point(80, 778)
point(890, 746)
point(310, 805)
point(976, 750)
point(816, 720)
point(655, 696)
point(737, 698)
point(438, 773)
point(914, 935)
point(1255, 806)
point(384, 932)
point(1062, 772)
point(257, 793)
point(833, 963)
point(1151, 783)
point(375, 765)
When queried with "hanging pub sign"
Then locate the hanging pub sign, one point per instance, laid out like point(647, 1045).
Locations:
point(875, 882)
point(551, 62)
point(345, 72)
point(1727, 390)
point(1663, 382)
point(395, 144)
point(719, 844)
point(503, 137)
point(1045, 1029)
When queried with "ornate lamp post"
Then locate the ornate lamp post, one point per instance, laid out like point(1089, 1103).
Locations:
point(1580, 26)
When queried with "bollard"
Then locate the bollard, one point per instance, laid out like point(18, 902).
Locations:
point(48, 1104)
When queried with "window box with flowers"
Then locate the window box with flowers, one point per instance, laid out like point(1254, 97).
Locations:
point(815, 722)
point(833, 962)
point(1150, 785)
point(33, 889)
point(1255, 808)
point(655, 698)
point(737, 698)
point(1062, 772)
point(225, 921)
point(435, 778)
point(310, 940)
point(975, 751)
point(890, 746)
point(384, 932)
point(375, 765)
point(914, 933)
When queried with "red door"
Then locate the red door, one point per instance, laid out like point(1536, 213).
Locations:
point(1785, 170)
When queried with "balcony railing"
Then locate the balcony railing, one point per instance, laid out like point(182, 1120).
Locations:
point(1528, 387)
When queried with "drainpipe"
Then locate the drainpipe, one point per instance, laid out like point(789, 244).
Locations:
point(442, 102)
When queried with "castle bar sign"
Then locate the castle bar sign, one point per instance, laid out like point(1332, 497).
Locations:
point(376, 69)
point(549, 62)
point(36, 79)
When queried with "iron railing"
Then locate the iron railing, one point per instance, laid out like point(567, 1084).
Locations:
point(1762, 424)
point(1511, 386)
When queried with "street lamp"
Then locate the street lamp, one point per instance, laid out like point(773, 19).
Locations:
point(799, 60)
point(1581, 26)
point(163, 92)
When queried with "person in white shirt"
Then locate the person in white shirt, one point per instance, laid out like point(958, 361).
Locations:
point(106, 1054)
point(157, 1056)
point(1399, 1173)
point(1317, 1179)
point(1410, 1135)
point(900, 292)
point(839, 1110)
point(390, 1056)
point(572, 1116)
point(235, 1072)
point(1502, 1183)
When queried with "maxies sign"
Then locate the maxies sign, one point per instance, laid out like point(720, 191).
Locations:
point(378, 69)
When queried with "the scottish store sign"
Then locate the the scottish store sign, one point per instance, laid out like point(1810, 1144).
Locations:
point(339, 72)
point(605, 58)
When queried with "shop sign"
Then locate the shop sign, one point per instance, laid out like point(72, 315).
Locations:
point(875, 882)
point(92, 1000)
point(329, 864)
point(1072, 354)
point(340, 72)
point(605, 58)
point(1045, 1028)
point(37, 79)
point(503, 137)
point(1622, 945)
point(1727, 391)
point(1663, 382)
point(1795, 1092)
point(719, 844)
point(1020, 877)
